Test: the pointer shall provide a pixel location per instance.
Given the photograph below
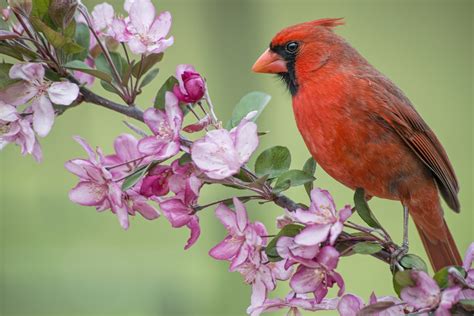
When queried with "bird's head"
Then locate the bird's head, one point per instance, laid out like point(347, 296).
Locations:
point(298, 50)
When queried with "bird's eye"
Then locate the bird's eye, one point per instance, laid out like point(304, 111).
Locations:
point(291, 47)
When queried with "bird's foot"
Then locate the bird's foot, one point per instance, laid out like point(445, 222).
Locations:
point(397, 256)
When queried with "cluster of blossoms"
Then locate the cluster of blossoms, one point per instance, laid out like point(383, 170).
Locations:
point(163, 171)
point(34, 95)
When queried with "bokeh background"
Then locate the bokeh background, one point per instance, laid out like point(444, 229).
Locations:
point(58, 258)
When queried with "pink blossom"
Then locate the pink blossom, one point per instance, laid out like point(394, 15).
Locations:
point(145, 32)
point(127, 158)
point(182, 214)
point(425, 295)
point(221, 153)
point(321, 219)
point(288, 249)
point(102, 17)
point(316, 276)
point(41, 92)
point(156, 182)
point(294, 302)
point(467, 265)
point(259, 275)
point(243, 236)
point(165, 126)
point(350, 305)
point(191, 87)
point(17, 130)
point(97, 187)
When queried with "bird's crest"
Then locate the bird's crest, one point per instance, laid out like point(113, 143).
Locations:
point(328, 22)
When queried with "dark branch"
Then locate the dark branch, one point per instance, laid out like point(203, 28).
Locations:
point(129, 111)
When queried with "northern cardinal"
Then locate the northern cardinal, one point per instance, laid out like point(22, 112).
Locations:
point(363, 131)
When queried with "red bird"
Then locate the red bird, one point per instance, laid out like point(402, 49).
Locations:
point(363, 131)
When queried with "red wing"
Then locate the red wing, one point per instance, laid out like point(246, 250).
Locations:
point(404, 119)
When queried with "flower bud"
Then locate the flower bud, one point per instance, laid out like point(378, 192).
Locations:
point(191, 86)
point(21, 6)
point(62, 11)
point(5, 14)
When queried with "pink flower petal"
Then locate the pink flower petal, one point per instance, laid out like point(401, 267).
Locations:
point(246, 140)
point(350, 305)
point(155, 119)
point(305, 280)
point(151, 145)
point(142, 15)
point(313, 235)
point(259, 294)
point(146, 210)
point(241, 257)
point(63, 92)
point(226, 249)
point(193, 225)
point(125, 146)
point(8, 112)
point(43, 115)
point(241, 214)
point(137, 46)
point(323, 200)
point(102, 16)
point(18, 94)
point(176, 212)
point(161, 26)
point(27, 71)
point(88, 193)
point(173, 111)
point(329, 257)
point(227, 218)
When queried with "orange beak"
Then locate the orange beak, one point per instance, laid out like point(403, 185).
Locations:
point(270, 63)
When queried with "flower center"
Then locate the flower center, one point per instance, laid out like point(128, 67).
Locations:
point(164, 131)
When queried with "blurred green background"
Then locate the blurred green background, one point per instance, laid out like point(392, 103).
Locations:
point(58, 258)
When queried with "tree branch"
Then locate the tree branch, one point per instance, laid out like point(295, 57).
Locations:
point(130, 111)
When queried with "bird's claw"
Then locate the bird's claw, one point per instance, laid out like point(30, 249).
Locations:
point(397, 256)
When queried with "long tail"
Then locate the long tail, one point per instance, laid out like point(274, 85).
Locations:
point(434, 232)
point(441, 253)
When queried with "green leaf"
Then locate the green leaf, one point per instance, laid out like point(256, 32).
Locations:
point(310, 168)
point(366, 248)
point(363, 209)
point(160, 96)
point(82, 38)
point(254, 101)
point(294, 178)
point(184, 159)
point(109, 87)
point(273, 161)
point(16, 51)
point(411, 261)
point(149, 77)
point(467, 304)
point(40, 8)
point(442, 276)
point(81, 66)
point(290, 230)
point(402, 279)
point(55, 38)
point(70, 30)
point(5, 80)
point(119, 62)
point(146, 64)
point(135, 176)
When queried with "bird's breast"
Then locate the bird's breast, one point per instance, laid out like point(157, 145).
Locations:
point(347, 141)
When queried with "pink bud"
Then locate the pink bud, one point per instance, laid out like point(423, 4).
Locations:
point(191, 86)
